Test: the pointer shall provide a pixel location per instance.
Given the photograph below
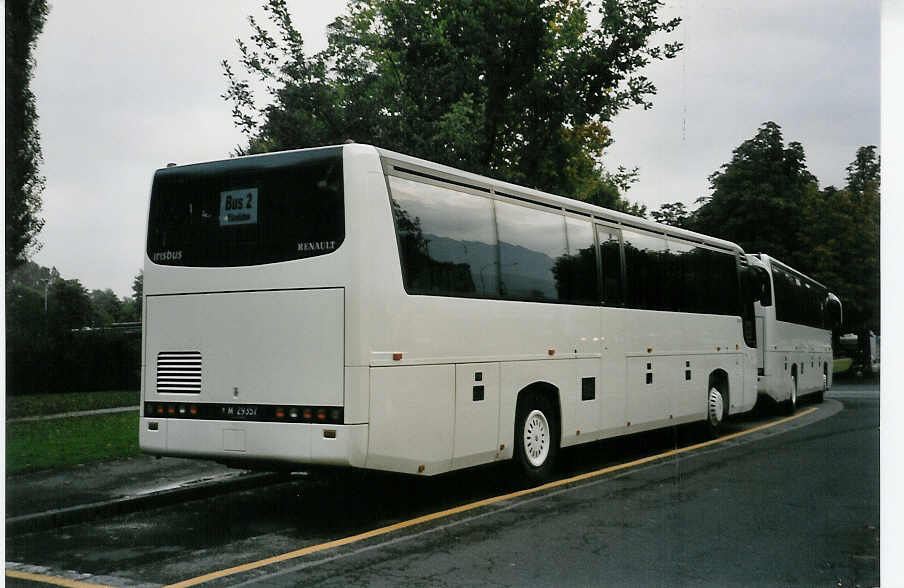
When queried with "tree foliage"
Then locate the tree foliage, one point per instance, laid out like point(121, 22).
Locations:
point(518, 90)
point(758, 197)
point(24, 184)
point(840, 240)
point(674, 214)
point(58, 335)
point(138, 295)
point(767, 201)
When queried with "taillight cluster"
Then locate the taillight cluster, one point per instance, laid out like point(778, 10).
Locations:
point(333, 415)
point(309, 414)
point(173, 410)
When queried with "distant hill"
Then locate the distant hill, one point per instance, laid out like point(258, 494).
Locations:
point(525, 273)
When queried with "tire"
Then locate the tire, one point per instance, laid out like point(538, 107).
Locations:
point(536, 437)
point(790, 405)
point(820, 396)
point(716, 412)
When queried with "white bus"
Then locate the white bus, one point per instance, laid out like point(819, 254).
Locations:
point(795, 316)
point(357, 307)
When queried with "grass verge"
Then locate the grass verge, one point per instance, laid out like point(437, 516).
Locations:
point(841, 365)
point(43, 404)
point(39, 445)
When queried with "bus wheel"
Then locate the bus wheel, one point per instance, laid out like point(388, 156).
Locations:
point(536, 437)
point(791, 404)
point(820, 396)
point(715, 412)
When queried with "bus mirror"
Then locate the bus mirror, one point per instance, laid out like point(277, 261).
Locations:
point(834, 315)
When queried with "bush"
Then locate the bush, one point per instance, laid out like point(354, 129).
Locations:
point(79, 362)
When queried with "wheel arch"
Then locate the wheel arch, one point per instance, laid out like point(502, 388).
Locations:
point(548, 391)
point(719, 378)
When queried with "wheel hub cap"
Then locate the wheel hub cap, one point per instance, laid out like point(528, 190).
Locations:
point(715, 406)
point(536, 438)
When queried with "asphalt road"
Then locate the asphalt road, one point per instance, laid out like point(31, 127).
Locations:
point(796, 504)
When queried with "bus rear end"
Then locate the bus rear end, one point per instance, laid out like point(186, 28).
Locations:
point(243, 347)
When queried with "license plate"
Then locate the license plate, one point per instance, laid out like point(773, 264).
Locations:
point(239, 412)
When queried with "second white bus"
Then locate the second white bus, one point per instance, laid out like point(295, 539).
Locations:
point(794, 321)
point(353, 306)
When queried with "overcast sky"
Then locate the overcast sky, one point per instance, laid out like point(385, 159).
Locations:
point(125, 87)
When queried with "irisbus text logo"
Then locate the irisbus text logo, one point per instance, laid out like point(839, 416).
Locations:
point(167, 256)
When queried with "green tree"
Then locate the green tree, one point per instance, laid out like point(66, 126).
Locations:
point(863, 174)
point(840, 241)
point(69, 308)
point(106, 307)
point(24, 184)
point(758, 197)
point(138, 294)
point(520, 91)
point(32, 275)
point(674, 214)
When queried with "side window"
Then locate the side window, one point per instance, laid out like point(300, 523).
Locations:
point(644, 255)
point(447, 241)
point(700, 280)
point(727, 295)
point(575, 273)
point(530, 244)
point(610, 260)
point(686, 277)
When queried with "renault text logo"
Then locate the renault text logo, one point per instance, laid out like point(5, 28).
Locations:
point(317, 246)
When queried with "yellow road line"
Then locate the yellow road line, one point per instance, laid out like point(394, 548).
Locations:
point(466, 507)
point(56, 581)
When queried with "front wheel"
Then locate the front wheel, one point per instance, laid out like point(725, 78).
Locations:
point(715, 412)
point(536, 437)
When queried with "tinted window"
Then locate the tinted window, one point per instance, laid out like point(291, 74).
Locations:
point(797, 299)
point(724, 296)
point(530, 243)
point(447, 240)
point(644, 258)
point(611, 265)
point(247, 211)
point(575, 273)
point(684, 271)
point(702, 280)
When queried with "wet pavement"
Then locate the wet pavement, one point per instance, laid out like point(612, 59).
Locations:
point(186, 539)
point(104, 481)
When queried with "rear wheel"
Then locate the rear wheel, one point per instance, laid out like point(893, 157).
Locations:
point(820, 396)
point(536, 437)
point(715, 412)
point(790, 405)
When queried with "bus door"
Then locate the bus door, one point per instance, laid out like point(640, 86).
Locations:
point(612, 368)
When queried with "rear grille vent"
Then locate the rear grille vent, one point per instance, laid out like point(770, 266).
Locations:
point(179, 371)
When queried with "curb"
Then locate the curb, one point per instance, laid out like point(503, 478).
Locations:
point(82, 513)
